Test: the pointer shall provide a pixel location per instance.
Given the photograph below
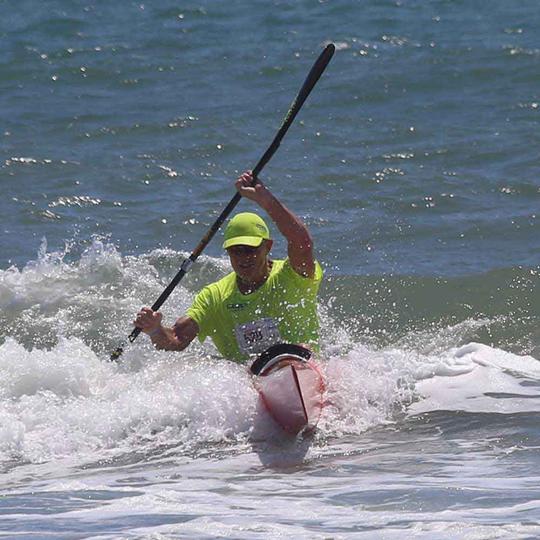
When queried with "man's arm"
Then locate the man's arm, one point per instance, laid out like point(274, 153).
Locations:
point(176, 338)
point(299, 241)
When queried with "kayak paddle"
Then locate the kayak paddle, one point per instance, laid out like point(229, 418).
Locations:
point(311, 80)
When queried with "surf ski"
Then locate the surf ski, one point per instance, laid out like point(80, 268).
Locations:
point(290, 386)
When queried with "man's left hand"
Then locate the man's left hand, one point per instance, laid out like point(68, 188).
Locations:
point(250, 188)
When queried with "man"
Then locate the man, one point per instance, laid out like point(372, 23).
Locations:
point(263, 301)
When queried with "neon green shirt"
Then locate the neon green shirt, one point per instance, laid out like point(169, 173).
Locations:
point(282, 310)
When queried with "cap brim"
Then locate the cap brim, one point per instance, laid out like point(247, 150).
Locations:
point(252, 241)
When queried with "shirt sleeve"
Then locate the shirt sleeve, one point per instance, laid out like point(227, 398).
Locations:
point(306, 283)
point(201, 312)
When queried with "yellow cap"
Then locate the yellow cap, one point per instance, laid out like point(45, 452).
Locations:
point(246, 229)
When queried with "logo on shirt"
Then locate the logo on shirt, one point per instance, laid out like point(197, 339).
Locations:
point(237, 306)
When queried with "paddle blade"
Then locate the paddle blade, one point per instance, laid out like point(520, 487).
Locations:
point(117, 353)
point(311, 80)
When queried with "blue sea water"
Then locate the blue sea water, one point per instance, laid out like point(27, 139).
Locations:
point(415, 165)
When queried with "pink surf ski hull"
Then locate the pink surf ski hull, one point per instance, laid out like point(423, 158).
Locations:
point(292, 392)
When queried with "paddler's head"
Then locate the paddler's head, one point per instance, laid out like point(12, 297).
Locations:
point(248, 243)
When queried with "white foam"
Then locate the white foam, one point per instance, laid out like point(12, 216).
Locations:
point(68, 401)
point(365, 387)
point(479, 378)
point(59, 396)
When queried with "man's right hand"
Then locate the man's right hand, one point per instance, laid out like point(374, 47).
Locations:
point(168, 339)
point(148, 320)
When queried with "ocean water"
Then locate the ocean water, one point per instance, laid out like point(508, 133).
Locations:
point(415, 164)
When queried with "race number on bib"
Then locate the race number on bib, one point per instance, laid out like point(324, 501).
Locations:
point(256, 336)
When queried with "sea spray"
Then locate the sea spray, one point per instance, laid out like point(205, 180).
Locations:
point(67, 401)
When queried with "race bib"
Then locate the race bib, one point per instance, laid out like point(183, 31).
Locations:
point(256, 336)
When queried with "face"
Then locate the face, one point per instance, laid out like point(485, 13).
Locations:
point(249, 263)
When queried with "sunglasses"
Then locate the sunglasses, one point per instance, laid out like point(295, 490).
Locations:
point(243, 250)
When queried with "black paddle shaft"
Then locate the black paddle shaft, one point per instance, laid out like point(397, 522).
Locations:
point(311, 80)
